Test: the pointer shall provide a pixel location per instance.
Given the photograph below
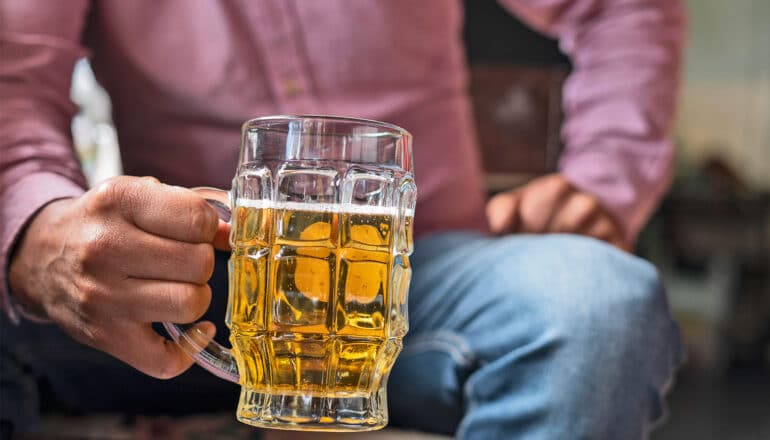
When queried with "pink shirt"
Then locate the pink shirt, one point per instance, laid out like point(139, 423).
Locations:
point(183, 76)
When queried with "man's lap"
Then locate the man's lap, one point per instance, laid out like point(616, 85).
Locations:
point(473, 301)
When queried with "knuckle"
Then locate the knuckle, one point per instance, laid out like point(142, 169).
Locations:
point(88, 297)
point(604, 229)
point(109, 193)
point(571, 223)
point(591, 202)
point(586, 206)
point(562, 184)
point(557, 184)
point(150, 179)
point(93, 246)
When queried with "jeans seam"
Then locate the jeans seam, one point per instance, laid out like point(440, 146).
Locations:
point(445, 341)
point(662, 391)
point(462, 427)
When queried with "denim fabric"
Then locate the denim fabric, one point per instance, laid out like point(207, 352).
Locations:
point(531, 337)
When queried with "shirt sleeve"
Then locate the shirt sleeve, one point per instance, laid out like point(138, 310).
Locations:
point(620, 99)
point(39, 45)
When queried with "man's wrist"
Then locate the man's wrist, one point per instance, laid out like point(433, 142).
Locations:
point(21, 290)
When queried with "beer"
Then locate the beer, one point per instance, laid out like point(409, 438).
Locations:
point(317, 300)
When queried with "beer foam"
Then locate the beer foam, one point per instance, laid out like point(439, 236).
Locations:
point(337, 208)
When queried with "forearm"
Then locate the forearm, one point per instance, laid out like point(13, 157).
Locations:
point(619, 101)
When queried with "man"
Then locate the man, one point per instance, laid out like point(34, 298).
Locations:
point(542, 332)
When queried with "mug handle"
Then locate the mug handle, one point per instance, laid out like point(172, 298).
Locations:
point(209, 354)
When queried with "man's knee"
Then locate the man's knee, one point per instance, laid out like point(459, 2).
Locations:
point(587, 291)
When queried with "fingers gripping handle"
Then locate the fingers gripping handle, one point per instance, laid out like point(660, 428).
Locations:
point(205, 351)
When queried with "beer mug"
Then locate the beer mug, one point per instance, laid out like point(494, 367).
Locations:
point(321, 213)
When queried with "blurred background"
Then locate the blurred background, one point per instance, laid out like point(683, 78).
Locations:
point(711, 236)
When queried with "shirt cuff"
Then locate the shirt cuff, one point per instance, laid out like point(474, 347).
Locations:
point(18, 205)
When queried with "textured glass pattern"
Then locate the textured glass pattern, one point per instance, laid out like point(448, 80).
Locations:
point(319, 280)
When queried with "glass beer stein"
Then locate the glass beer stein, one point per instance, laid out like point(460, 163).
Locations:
point(321, 212)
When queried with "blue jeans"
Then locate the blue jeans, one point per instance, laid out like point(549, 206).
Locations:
point(532, 337)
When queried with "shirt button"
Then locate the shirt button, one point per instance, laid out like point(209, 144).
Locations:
point(291, 87)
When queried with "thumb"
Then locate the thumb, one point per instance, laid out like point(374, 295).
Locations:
point(502, 212)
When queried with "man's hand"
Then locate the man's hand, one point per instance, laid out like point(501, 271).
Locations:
point(551, 204)
point(106, 265)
